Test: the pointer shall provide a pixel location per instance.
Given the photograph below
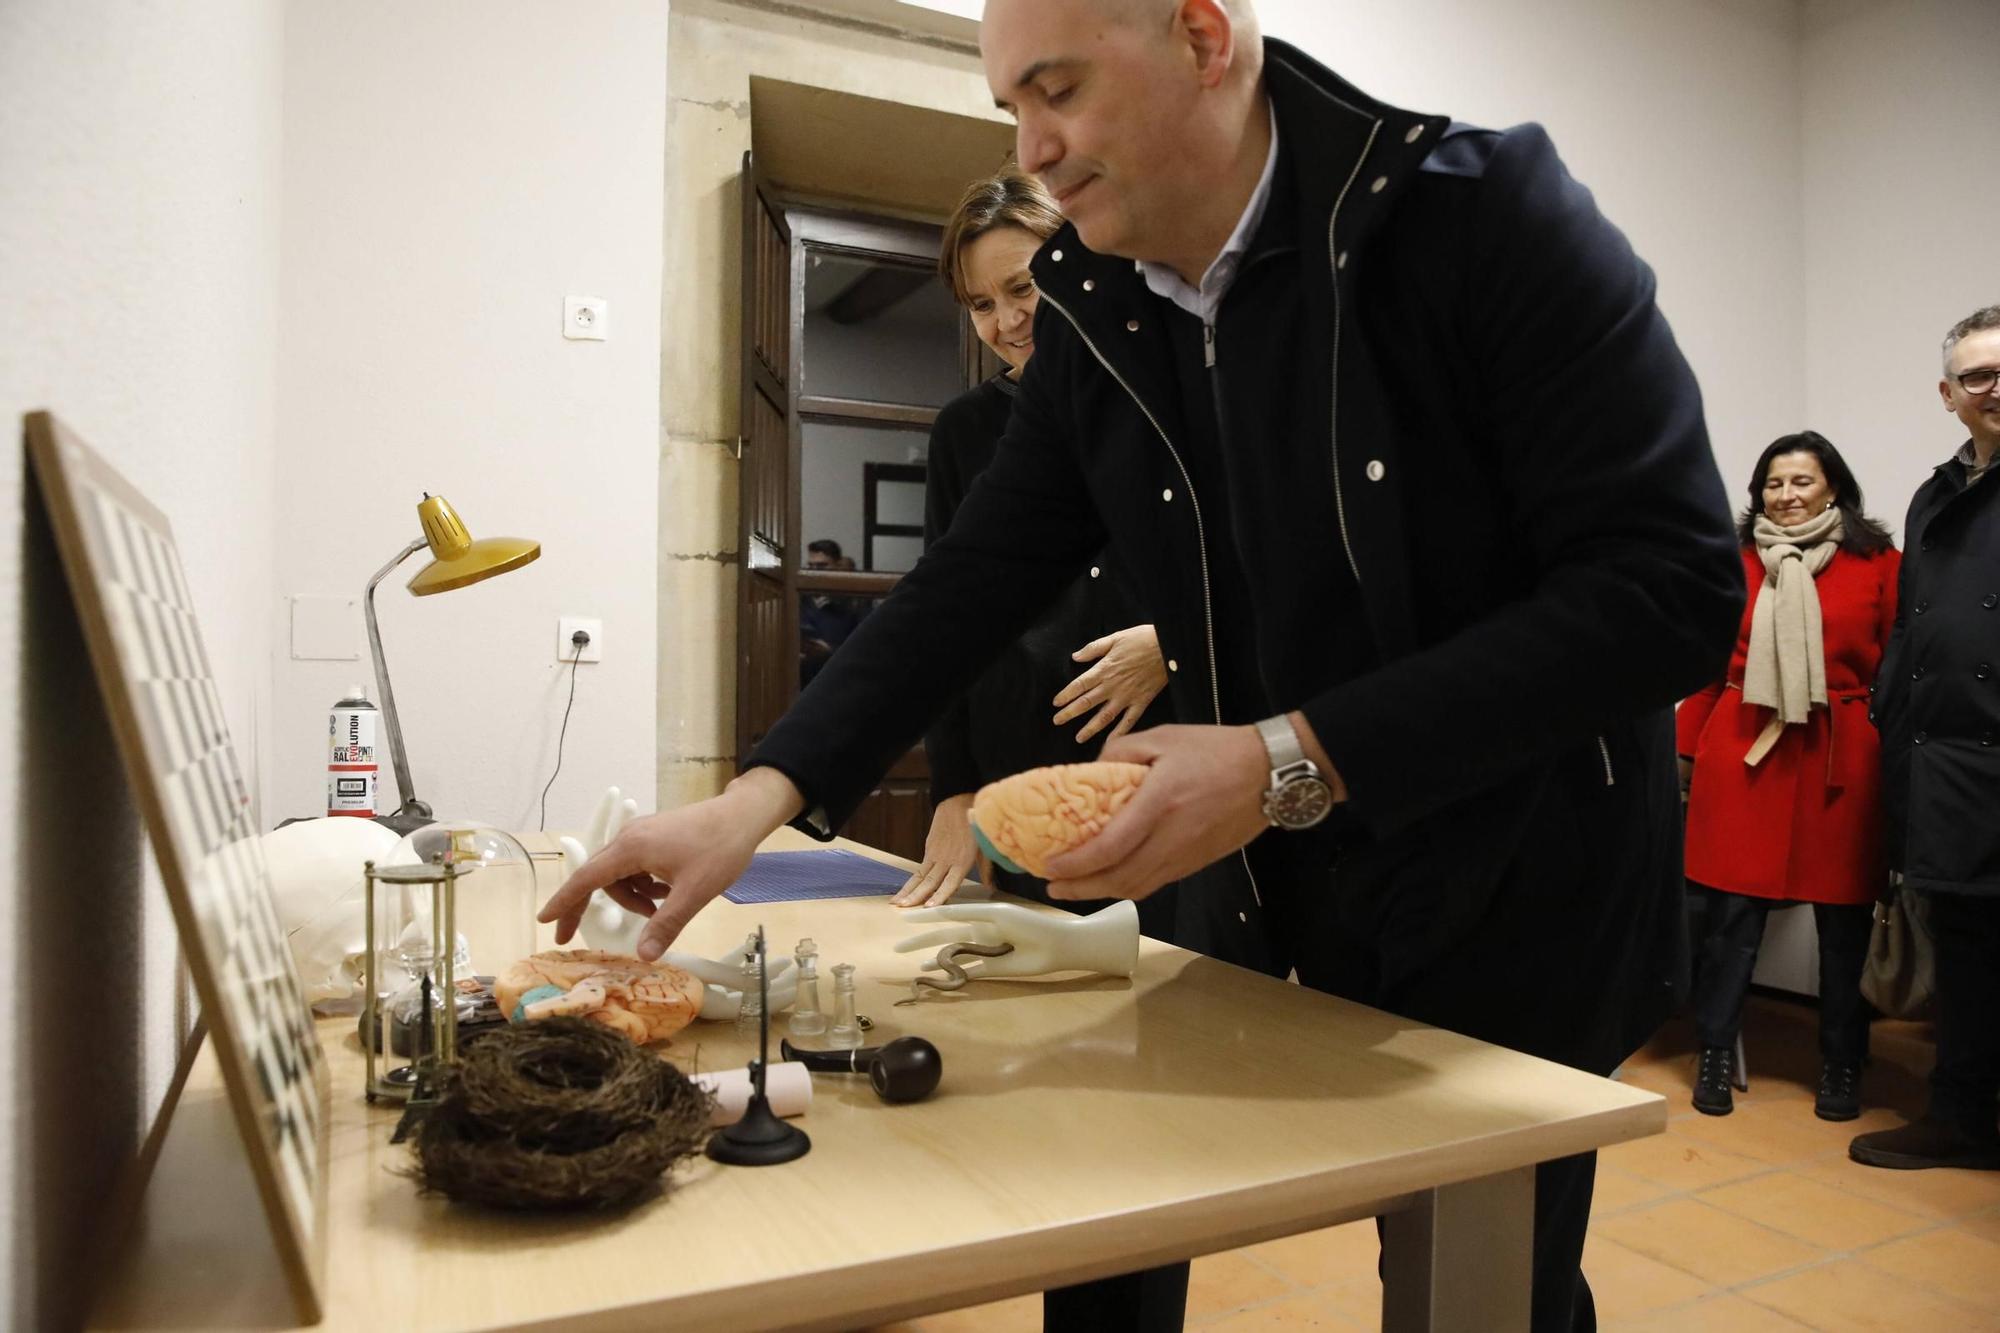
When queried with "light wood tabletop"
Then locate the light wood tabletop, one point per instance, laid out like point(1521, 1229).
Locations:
point(1085, 1126)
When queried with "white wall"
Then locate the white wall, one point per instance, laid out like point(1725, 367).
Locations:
point(1683, 118)
point(140, 143)
point(1902, 204)
point(452, 171)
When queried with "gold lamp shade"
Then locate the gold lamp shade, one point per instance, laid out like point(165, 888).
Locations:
point(456, 559)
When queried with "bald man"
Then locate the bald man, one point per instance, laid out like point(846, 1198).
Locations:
point(1381, 413)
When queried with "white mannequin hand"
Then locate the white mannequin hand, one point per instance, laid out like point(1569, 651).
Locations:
point(605, 924)
point(1106, 941)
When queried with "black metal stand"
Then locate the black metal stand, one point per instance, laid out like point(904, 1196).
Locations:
point(760, 1138)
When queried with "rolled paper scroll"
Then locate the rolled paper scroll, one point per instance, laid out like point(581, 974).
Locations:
point(788, 1085)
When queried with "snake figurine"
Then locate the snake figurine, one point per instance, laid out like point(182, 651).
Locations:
point(947, 962)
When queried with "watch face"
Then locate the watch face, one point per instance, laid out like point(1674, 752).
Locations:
point(1299, 802)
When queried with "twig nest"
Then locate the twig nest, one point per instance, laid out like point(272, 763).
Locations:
point(1024, 821)
point(564, 1113)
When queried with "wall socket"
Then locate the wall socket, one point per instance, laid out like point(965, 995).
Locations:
point(587, 318)
point(592, 651)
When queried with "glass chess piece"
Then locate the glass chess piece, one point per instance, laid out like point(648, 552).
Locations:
point(807, 1019)
point(845, 1031)
point(750, 1013)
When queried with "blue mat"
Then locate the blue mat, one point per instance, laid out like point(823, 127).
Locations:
point(785, 877)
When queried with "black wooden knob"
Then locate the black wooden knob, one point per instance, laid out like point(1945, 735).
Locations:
point(904, 1070)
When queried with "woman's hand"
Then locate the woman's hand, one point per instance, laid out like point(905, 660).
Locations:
point(1686, 766)
point(950, 854)
point(1127, 676)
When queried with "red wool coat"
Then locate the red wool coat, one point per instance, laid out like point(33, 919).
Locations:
point(1806, 824)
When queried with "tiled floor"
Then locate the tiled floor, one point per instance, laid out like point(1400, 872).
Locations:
point(1738, 1224)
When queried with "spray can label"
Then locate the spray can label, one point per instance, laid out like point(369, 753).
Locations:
point(350, 760)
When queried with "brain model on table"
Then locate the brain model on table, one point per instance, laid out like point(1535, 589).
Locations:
point(644, 1001)
point(1024, 821)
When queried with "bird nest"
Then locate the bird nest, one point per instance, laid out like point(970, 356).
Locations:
point(559, 1114)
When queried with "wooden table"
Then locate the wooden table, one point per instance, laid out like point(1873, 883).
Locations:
point(1085, 1126)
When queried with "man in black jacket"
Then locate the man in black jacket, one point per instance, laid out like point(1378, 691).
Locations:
point(1414, 484)
point(1938, 707)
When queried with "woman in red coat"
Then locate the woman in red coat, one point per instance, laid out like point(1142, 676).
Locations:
point(1783, 766)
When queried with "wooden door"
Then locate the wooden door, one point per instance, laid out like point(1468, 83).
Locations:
point(767, 618)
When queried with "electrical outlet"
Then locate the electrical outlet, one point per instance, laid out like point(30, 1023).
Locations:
point(587, 317)
point(566, 650)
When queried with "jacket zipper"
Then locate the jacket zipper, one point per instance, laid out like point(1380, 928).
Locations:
point(1200, 532)
point(1604, 749)
point(1333, 262)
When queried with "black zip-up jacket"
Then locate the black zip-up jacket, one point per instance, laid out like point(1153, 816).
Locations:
point(1512, 470)
point(1937, 696)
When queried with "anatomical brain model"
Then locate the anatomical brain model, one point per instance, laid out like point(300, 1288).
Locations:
point(644, 1001)
point(1024, 821)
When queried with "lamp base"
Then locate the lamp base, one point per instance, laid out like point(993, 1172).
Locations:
point(759, 1138)
point(413, 815)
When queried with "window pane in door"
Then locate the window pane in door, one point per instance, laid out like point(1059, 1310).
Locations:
point(878, 331)
point(833, 490)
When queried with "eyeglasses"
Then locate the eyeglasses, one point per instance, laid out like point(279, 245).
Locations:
point(1976, 382)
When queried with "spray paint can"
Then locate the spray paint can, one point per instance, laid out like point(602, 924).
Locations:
point(350, 755)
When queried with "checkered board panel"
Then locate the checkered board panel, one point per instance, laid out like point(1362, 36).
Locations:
point(208, 817)
point(147, 646)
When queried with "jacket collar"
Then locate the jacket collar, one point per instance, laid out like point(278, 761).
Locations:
point(1363, 155)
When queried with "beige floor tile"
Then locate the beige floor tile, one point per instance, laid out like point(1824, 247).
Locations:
point(1220, 1283)
point(1680, 1163)
point(1951, 1261)
point(1781, 1133)
point(1359, 1302)
point(1674, 1081)
point(1624, 1283)
point(1986, 1225)
point(1714, 1314)
point(1021, 1314)
point(1718, 1247)
point(1321, 1258)
point(1814, 1211)
point(1936, 1193)
point(1847, 1296)
point(1618, 1190)
point(1305, 1310)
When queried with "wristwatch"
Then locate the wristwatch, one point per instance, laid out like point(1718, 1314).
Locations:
point(1298, 796)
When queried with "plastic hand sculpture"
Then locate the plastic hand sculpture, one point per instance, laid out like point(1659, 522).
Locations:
point(1106, 941)
point(643, 1001)
point(605, 924)
point(1024, 821)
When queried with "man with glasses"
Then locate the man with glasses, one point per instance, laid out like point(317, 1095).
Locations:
point(1937, 703)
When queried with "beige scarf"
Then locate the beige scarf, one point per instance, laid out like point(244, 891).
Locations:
point(1786, 667)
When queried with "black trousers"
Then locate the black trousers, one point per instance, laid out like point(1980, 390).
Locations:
point(1965, 1083)
point(1727, 955)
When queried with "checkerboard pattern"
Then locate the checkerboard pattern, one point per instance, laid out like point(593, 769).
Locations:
point(258, 1012)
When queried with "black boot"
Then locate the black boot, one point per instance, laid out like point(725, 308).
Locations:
point(1925, 1143)
point(1839, 1095)
point(1711, 1081)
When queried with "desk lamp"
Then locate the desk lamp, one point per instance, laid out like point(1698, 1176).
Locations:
point(456, 562)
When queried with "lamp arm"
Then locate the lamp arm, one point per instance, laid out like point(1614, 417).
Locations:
point(402, 761)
